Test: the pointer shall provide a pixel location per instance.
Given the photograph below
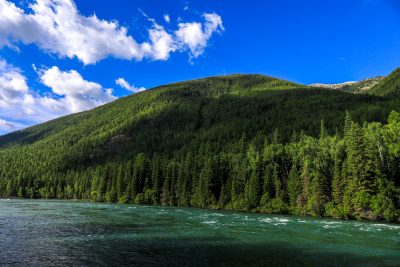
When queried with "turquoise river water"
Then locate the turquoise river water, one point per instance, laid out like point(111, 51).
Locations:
point(73, 233)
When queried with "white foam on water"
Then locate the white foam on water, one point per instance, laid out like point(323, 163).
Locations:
point(275, 220)
point(209, 222)
point(282, 220)
point(387, 226)
point(279, 223)
point(333, 222)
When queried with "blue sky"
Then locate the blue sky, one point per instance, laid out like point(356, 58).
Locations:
point(59, 56)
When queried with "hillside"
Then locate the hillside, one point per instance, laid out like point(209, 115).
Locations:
point(389, 86)
point(243, 142)
point(203, 105)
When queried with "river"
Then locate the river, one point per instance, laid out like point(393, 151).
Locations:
point(77, 233)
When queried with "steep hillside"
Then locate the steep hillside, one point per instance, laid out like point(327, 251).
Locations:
point(244, 142)
point(204, 106)
point(389, 86)
point(184, 98)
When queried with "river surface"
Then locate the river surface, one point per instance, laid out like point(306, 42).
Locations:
point(73, 233)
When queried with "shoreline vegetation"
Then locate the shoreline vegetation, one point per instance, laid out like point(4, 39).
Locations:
point(240, 142)
point(344, 177)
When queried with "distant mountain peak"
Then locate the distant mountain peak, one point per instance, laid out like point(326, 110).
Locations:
point(352, 86)
point(332, 86)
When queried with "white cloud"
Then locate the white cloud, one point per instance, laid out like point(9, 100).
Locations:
point(57, 27)
point(77, 93)
point(15, 97)
point(12, 85)
point(124, 84)
point(196, 35)
point(6, 126)
point(21, 107)
point(166, 18)
point(18, 103)
point(162, 43)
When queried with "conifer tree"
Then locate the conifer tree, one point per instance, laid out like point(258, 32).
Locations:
point(323, 133)
point(294, 188)
point(362, 167)
point(255, 181)
point(337, 184)
point(120, 182)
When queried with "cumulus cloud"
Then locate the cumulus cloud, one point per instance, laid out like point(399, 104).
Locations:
point(57, 27)
point(20, 106)
point(124, 84)
point(15, 97)
point(6, 126)
point(77, 93)
point(196, 35)
point(162, 43)
point(12, 85)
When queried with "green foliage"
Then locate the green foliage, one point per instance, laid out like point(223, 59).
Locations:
point(95, 196)
point(140, 199)
point(335, 211)
point(111, 196)
point(150, 197)
point(294, 188)
point(276, 205)
point(389, 86)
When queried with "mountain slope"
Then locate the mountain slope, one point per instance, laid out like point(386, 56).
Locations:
point(179, 116)
point(389, 86)
point(155, 101)
point(245, 142)
point(201, 105)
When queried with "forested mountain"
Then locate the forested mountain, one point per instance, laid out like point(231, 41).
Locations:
point(238, 142)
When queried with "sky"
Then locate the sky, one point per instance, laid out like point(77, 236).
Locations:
point(62, 56)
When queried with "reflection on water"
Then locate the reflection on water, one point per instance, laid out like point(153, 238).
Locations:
point(59, 233)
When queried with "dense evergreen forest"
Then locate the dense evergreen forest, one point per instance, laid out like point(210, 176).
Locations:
point(238, 142)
